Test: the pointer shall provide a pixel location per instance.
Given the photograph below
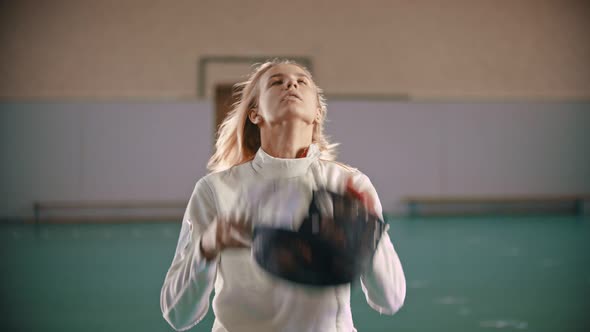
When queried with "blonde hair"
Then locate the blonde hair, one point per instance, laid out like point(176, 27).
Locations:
point(238, 139)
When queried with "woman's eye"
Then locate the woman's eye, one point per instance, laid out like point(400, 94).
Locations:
point(302, 81)
point(277, 82)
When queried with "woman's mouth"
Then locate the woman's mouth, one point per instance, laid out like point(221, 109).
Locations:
point(293, 96)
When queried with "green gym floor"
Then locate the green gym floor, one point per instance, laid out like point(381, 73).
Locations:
point(464, 274)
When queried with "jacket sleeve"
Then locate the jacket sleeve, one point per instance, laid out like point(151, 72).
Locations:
point(184, 298)
point(384, 283)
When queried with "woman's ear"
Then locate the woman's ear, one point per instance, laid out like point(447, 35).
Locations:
point(318, 116)
point(254, 116)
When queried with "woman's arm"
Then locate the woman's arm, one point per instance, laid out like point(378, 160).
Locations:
point(384, 283)
point(184, 298)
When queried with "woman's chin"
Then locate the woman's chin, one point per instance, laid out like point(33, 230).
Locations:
point(292, 116)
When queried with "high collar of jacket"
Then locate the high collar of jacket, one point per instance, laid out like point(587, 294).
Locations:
point(270, 166)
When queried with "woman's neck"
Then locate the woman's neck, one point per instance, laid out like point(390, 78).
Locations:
point(286, 141)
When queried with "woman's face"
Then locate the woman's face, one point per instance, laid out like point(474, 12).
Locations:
point(287, 93)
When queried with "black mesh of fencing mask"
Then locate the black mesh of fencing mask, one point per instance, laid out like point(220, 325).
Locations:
point(335, 243)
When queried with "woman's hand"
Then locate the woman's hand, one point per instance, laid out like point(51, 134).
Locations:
point(225, 233)
point(362, 196)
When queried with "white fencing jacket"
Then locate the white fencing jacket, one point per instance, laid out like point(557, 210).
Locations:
point(277, 192)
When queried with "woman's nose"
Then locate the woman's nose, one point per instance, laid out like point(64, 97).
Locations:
point(292, 83)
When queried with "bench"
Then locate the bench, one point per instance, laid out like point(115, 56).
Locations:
point(470, 205)
point(41, 207)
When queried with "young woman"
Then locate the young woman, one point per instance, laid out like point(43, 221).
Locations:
point(271, 153)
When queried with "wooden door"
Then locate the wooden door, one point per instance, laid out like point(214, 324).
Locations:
point(224, 100)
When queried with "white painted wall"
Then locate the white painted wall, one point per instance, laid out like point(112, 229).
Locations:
point(157, 151)
point(101, 151)
point(465, 148)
